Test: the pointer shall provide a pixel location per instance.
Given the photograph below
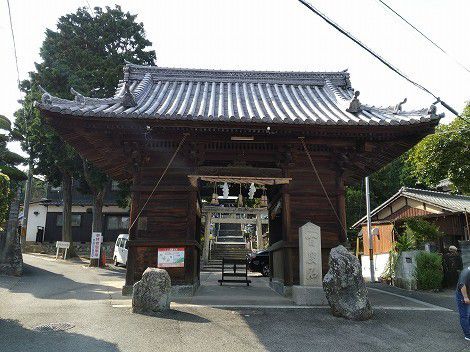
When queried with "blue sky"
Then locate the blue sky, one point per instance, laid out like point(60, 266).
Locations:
point(276, 35)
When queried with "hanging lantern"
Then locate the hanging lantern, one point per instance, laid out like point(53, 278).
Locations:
point(264, 199)
point(225, 189)
point(240, 197)
point(215, 196)
point(252, 191)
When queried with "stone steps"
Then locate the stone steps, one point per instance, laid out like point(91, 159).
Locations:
point(228, 251)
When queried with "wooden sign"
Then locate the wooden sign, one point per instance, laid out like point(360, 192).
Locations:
point(63, 245)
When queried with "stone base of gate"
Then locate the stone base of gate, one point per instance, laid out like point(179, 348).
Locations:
point(309, 296)
point(280, 288)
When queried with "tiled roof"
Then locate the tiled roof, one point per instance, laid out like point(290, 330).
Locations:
point(152, 92)
point(450, 202)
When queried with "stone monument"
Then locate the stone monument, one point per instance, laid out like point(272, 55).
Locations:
point(310, 291)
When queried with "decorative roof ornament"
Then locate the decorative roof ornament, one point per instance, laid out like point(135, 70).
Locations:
point(79, 98)
point(432, 112)
point(46, 98)
point(398, 108)
point(128, 99)
point(355, 104)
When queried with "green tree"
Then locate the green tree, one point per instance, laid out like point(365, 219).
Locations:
point(86, 52)
point(4, 198)
point(444, 154)
point(11, 261)
point(51, 156)
point(422, 231)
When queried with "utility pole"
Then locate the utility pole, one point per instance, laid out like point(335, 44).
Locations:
point(27, 198)
point(27, 191)
point(467, 235)
point(369, 233)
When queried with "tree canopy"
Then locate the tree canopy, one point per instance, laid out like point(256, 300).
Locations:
point(87, 51)
point(444, 155)
point(10, 175)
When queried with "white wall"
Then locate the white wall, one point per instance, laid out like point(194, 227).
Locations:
point(380, 265)
point(40, 219)
point(35, 220)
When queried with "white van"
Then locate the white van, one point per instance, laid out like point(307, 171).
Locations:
point(120, 250)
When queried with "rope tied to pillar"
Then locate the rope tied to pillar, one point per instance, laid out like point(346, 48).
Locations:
point(302, 140)
point(159, 180)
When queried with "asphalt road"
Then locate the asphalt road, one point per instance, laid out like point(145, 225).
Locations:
point(100, 319)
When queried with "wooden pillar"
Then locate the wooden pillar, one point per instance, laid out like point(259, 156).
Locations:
point(190, 270)
point(341, 206)
point(131, 255)
point(192, 213)
point(259, 232)
point(286, 236)
point(207, 233)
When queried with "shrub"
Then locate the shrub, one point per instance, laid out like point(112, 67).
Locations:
point(429, 272)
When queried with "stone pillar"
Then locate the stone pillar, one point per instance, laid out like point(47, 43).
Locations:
point(207, 233)
point(310, 290)
point(259, 232)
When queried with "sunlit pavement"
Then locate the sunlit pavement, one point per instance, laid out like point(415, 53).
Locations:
point(231, 318)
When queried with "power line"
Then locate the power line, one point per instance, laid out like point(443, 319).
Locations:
point(374, 54)
point(424, 36)
point(14, 44)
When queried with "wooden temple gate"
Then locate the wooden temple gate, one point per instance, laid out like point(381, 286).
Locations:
point(233, 124)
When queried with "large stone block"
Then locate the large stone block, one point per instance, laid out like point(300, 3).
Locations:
point(151, 295)
point(344, 286)
point(310, 255)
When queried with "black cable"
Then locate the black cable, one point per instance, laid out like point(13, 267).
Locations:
point(14, 44)
point(374, 54)
point(424, 35)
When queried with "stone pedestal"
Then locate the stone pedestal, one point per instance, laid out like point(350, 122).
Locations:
point(309, 296)
point(310, 291)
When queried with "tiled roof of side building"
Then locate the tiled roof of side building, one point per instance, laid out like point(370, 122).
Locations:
point(151, 92)
point(453, 203)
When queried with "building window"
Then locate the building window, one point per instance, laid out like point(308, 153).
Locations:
point(118, 222)
point(76, 220)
